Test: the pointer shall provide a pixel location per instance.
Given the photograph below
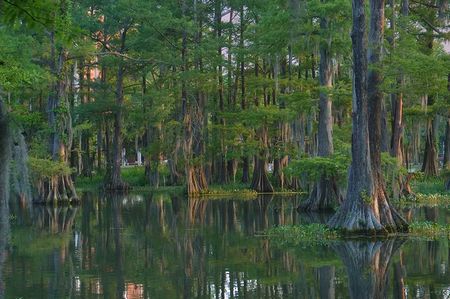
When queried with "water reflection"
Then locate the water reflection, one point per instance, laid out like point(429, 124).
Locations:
point(367, 264)
point(161, 246)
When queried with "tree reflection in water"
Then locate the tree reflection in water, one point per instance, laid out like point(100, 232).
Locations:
point(367, 264)
point(161, 246)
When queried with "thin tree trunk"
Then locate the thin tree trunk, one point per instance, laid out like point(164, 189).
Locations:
point(5, 156)
point(325, 192)
point(245, 162)
point(113, 179)
point(430, 164)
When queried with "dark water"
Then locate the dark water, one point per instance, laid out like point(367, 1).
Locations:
point(161, 246)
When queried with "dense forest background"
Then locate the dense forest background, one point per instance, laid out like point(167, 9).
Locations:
point(252, 93)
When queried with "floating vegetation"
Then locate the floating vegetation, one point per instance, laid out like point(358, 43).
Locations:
point(426, 199)
point(315, 233)
point(428, 229)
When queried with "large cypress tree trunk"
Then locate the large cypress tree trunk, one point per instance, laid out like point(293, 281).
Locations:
point(389, 217)
point(193, 121)
point(325, 192)
point(61, 186)
point(113, 178)
point(366, 208)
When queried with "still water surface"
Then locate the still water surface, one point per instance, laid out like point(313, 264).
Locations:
point(164, 246)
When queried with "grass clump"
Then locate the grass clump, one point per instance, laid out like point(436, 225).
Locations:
point(429, 230)
point(230, 189)
point(426, 199)
point(428, 185)
point(314, 233)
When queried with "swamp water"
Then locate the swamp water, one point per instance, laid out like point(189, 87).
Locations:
point(161, 246)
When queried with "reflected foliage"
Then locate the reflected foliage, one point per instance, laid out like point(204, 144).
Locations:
point(163, 246)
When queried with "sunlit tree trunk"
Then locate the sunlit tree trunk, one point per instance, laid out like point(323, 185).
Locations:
point(366, 207)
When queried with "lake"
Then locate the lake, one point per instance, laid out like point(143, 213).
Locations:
point(166, 246)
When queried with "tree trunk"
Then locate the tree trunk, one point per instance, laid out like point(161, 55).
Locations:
point(193, 121)
point(20, 179)
point(245, 162)
point(447, 136)
point(325, 192)
point(389, 217)
point(5, 154)
point(113, 178)
point(430, 164)
point(366, 207)
point(260, 180)
point(99, 147)
point(60, 187)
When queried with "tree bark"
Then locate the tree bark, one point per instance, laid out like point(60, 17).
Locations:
point(260, 180)
point(325, 192)
point(193, 121)
point(113, 179)
point(366, 207)
point(5, 154)
point(59, 188)
point(245, 162)
point(430, 164)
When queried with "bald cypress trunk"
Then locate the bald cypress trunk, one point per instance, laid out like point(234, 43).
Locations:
point(366, 207)
point(325, 192)
point(260, 179)
point(245, 162)
point(60, 187)
point(430, 164)
point(5, 154)
point(113, 178)
point(5, 159)
point(193, 122)
point(390, 219)
point(447, 143)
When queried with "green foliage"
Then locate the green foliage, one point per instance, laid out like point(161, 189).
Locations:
point(429, 230)
point(47, 169)
point(315, 167)
point(429, 185)
point(135, 176)
point(301, 234)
